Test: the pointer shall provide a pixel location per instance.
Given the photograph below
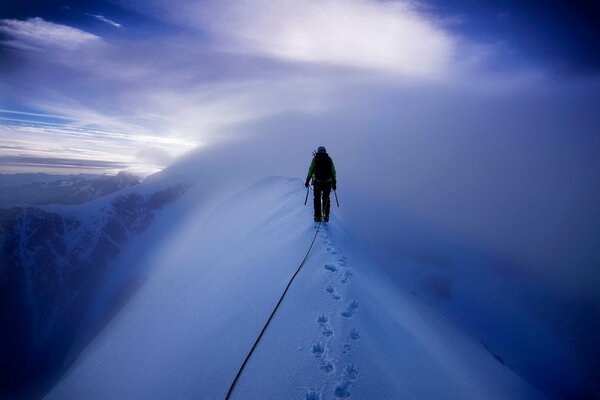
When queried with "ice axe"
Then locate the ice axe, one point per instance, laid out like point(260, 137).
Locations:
point(308, 187)
point(336, 199)
point(307, 191)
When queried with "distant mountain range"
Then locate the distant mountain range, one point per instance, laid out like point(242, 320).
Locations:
point(43, 189)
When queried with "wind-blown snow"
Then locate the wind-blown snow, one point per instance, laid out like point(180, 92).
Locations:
point(343, 329)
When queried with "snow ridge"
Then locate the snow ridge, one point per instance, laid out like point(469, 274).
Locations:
point(343, 331)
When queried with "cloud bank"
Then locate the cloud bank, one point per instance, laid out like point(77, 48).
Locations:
point(216, 66)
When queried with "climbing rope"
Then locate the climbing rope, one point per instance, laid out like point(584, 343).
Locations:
point(271, 316)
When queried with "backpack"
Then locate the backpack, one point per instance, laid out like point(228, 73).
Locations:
point(322, 169)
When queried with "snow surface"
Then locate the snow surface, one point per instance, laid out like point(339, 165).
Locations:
point(343, 330)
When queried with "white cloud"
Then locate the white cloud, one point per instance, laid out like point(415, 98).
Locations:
point(389, 36)
point(393, 37)
point(105, 20)
point(36, 34)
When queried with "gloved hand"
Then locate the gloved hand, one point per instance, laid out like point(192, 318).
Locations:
point(334, 185)
point(306, 183)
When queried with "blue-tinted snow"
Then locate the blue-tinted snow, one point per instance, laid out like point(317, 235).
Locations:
point(213, 282)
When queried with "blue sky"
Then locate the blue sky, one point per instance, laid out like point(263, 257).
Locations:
point(561, 35)
point(134, 84)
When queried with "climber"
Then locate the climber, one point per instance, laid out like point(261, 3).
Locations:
point(322, 172)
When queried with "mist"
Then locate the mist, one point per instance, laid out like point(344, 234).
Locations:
point(445, 185)
point(513, 172)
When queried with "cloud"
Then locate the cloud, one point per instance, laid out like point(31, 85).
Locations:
point(29, 114)
point(105, 20)
point(154, 156)
point(394, 37)
point(85, 135)
point(222, 65)
point(56, 162)
point(37, 34)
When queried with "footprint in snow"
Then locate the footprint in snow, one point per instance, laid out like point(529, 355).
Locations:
point(319, 350)
point(313, 395)
point(328, 367)
point(353, 336)
point(349, 375)
point(342, 390)
point(346, 277)
point(331, 290)
point(350, 309)
point(331, 250)
point(323, 321)
point(330, 267)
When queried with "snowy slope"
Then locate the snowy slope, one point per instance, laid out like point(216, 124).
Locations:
point(342, 331)
point(54, 261)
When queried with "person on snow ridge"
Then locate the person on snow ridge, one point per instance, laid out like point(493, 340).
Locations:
point(322, 172)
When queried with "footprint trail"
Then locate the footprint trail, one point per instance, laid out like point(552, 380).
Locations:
point(327, 350)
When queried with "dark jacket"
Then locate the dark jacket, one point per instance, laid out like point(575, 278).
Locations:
point(322, 168)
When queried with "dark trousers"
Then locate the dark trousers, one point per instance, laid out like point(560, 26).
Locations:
point(321, 200)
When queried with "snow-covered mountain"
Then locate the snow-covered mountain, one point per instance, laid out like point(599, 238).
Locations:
point(54, 262)
point(21, 179)
point(41, 189)
point(214, 273)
